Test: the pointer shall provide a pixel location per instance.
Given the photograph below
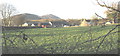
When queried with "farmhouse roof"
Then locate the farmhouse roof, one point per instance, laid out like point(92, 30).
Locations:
point(32, 22)
point(46, 23)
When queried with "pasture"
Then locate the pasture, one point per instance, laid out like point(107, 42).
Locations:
point(70, 40)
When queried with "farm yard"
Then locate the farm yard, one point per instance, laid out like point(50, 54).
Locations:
point(70, 40)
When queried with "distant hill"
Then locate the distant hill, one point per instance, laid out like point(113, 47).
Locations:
point(27, 16)
point(31, 16)
point(22, 18)
point(50, 16)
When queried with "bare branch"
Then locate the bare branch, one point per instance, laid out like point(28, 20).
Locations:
point(101, 36)
point(105, 37)
point(99, 16)
point(6, 11)
point(104, 5)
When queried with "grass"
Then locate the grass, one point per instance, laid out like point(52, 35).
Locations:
point(62, 40)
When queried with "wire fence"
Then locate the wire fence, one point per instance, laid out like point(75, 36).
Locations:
point(29, 40)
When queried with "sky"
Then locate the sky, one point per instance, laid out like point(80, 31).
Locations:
point(65, 9)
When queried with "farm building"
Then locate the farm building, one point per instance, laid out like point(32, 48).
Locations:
point(52, 24)
point(32, 23)
point(45, 25)
point(58, 23)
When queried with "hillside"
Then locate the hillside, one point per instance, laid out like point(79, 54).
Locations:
point(22, 18)
point(50, 16)
point(70, 40)
point(31, 16)
point(26, 16)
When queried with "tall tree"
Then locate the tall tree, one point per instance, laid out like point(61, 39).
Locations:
point(112, 12)
point(18, 20)
point(6, 11)
point(103, 4)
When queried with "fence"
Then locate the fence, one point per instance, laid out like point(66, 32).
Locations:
point(73, 40)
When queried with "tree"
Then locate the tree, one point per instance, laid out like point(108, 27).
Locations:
point(112, 14)
point(113, 11)
point(94, 20)
point(18, 20)
point(94, 17)
point(103, 4)
point(6, 11)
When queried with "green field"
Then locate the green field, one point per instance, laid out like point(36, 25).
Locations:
point(70, 40)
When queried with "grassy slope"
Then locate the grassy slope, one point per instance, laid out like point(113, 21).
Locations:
point(60, 40)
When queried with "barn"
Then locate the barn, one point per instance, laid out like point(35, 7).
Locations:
point(45, 25)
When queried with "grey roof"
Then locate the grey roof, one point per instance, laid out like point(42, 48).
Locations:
point(32, 22)
point(46, 23)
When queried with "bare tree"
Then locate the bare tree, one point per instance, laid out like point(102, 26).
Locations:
point(6, 11)
point(112, 8)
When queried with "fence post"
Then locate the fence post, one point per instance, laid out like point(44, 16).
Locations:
point(0, 37)
point(4, 40)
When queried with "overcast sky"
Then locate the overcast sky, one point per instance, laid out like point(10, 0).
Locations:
point(64, 9)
